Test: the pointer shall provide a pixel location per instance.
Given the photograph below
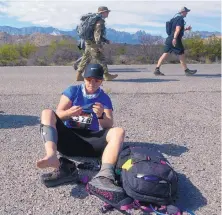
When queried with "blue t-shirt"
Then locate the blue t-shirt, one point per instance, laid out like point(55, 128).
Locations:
point(79, 97)
point(178, 21)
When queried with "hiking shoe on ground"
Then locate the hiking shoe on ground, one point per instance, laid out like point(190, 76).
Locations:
point(158, 73)
point(109, 77)
point(66, 173)
point(79, 77)
point(190, 72)
point(106, 190)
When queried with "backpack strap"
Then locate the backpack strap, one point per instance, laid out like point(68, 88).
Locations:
point(174, 16)
point(139, 154)
point(136, 157)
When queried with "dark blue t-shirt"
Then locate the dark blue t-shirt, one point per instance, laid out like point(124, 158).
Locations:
point(79, 97)
point(178, 21)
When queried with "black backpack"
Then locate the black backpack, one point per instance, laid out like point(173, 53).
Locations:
point(146, 175)
point(169, 25)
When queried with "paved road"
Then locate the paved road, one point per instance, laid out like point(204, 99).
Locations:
point(176, 114)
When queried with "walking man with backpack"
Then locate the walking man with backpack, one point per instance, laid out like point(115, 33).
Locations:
point(175, 30)
point(92, 30)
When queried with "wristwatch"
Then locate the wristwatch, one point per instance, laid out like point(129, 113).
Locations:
point(102, 116)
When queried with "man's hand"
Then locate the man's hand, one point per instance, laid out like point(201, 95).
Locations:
point(75, 111)
point(174, 42)
point(98, 109)
point(188, 28)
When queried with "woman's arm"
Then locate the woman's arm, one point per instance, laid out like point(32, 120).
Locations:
point(65, 110)
point(107, 121)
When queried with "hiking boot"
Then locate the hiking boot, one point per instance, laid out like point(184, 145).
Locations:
point(109, 77)
point(110, 193)
point(190, 72)
point(79, 77)
point(75, 66)
point(158, 73)
point(67, 172)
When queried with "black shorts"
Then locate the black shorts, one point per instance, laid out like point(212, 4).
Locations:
point(169, 48)
point(79, 142)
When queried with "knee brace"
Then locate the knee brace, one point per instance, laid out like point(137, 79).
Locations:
point(48, 133)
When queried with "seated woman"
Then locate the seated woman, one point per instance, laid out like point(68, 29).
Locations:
point(74, 131)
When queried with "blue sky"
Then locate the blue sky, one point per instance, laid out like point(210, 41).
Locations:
point(129, 16)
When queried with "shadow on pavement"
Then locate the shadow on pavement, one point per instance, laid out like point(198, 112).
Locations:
point(166, 148)
point(79, 190)
point(126, 70)
point(143, 80)
point(208, 75)
point(17, 121)
point(189, 196)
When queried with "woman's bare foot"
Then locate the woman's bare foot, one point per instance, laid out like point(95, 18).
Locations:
point(48, 161)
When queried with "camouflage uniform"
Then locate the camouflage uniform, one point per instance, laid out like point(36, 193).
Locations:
point(93, 52)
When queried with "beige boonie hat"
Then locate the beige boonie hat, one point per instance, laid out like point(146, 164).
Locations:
point(103, 9)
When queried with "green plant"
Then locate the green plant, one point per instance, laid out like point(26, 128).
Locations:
point(195, 47)
point(27, 49)
point(121, 51)
point(9, 53)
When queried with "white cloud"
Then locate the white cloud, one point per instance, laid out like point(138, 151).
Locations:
point(66, 14)
point(3, 8)
point(43, 21)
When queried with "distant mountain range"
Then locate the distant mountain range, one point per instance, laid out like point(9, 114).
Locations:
point(113, 35)
point(38, 39)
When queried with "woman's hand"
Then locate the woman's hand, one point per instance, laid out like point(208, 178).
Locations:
point(75, 111)
point(98, 109)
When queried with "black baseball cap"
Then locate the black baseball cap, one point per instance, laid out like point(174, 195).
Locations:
point(94, 71)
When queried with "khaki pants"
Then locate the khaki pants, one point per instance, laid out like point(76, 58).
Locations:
point(93, 55)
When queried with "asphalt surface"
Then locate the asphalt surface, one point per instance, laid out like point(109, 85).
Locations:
point(178, 115)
